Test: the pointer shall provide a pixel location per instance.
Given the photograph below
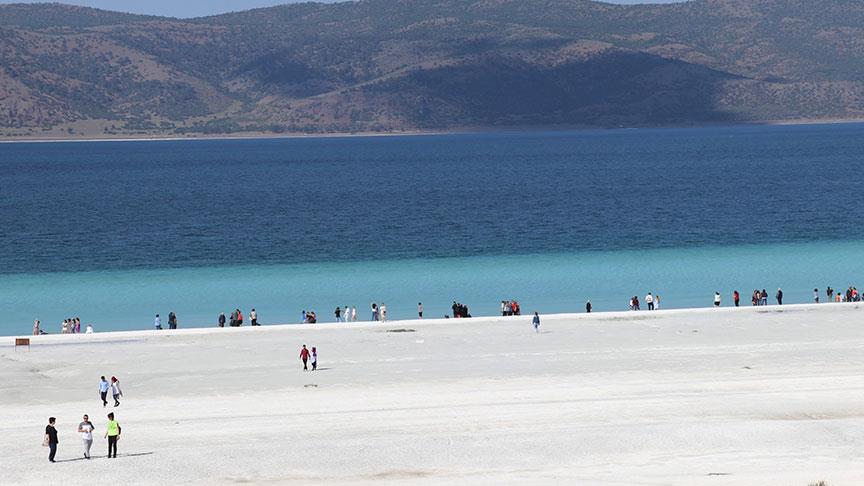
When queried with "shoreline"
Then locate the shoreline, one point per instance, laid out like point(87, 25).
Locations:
point(415, 133)
point(389, 326)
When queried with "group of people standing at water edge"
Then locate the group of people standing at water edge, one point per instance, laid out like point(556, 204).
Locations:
point(69, 326)
point(379, 312)
point(851, 295)
point(172, 321)
point(236, 318)
point(652, 302)
point(86, 429)
point(510, 308)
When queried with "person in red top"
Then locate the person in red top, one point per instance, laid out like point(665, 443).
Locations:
point(736, 297)
point(239, 318)
point(304, 356)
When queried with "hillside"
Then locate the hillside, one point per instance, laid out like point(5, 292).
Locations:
point(394, 65)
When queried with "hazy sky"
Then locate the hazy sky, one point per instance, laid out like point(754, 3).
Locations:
point(197, 8)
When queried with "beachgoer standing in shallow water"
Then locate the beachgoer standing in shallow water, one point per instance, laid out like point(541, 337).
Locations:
point(536, 322)
point(112, 433)
point(815, 296)
point(103, 391)
point(354, 314)
point(304, 357)
point(51, 439)
point(36, 327)
point(253, 317)
point(420, 310)
point(85, 428)
point(588, 306)
point(157, 323)
point(779, 297)
point(382, 312)
point(221, 321)
point(116, 392)
point(649, 301)
point(314, 358)
point(338, 313)
point(736, 298)
point(374, 311)
point(172, 320)
point(716, 299)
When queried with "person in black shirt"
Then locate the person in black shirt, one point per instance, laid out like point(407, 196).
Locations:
point(51, 433)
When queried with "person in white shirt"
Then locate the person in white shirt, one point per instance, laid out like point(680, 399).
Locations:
point(649, 301)
point(354, 313)
point(382, 312)
point(89, 329)
point(86, 428)
point(716, 299)
point(253, 317)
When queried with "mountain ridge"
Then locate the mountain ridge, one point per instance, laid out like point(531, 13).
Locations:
point(408, 65)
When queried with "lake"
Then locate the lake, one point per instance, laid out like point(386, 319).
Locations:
point(115, 232)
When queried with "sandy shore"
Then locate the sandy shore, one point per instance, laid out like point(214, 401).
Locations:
point(712, 396)
point(401, 133)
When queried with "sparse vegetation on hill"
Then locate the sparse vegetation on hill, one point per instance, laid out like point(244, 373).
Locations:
point(391, 65)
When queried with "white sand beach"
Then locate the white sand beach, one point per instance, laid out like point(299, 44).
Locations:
point(750, 396)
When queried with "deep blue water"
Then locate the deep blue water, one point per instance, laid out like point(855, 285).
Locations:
point(259, 205)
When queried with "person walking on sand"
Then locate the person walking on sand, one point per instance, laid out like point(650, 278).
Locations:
point(815, 296)
point(338, 313)
point(382, 312)
point(354, 313)
point(172, 320)
point(112, 433)
point(649, 301)
point(374, 311)
point(221, 321)
point(420, 310)
point(157, 323)
point(536, 322)
point(314, 358)
point(51, 439)
point(253, 317)
point(116, 392)
point(588, 306)
point(103, 391)
point(779, 297)
point(85, 428)
point(716, 299)
point(36, 327)
point(304, 357)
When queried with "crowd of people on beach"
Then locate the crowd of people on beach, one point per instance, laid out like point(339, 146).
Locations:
point(459, 310)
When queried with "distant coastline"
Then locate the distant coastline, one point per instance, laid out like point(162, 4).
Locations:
point(412, 133)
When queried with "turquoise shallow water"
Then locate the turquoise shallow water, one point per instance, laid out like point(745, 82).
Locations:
point(128, 299)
